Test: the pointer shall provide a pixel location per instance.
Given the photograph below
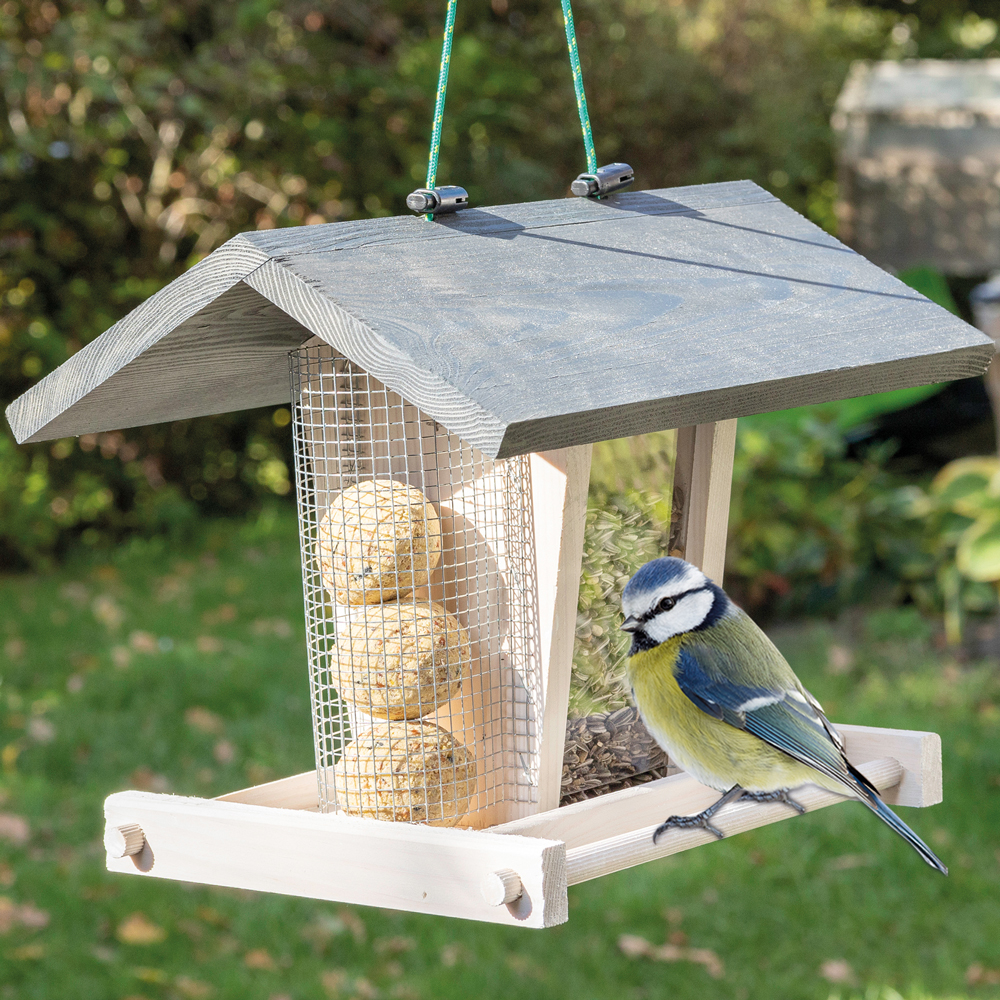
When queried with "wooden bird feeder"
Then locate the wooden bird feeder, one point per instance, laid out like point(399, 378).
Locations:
point(460, 370)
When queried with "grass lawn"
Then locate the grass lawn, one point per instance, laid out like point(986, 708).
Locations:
point(185, 670)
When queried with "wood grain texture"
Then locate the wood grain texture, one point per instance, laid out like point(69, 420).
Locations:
point(49, 409)
point(298, 791)
point(396, 865)
point(559, 483)
point(354, 339)
point(703, 479)
point(619, 813)
point(233, 354)
point(498, 219)
point(546, 325)
point(636, 847)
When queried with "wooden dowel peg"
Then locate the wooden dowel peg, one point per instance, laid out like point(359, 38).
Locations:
point(503, 886)
point(121, 841)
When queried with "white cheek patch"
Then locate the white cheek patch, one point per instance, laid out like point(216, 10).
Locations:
point(687, 614)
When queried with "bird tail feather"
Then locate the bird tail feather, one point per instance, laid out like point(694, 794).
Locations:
point(870, 797)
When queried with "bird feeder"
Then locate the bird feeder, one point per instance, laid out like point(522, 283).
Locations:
point(447, 381)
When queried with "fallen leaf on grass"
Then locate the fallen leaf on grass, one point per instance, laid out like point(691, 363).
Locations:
point(74, 592)
point(837, 970)
point(143, 642)
point(334, 981)
point(404, 991)
point(279, 627)
point(337, 983)
point(8, 757)
point(145, 780)
point(223, 613)
point(393, 945)
point(633, 946)
point(259, 958)
point(848, 861)
point(138, 929)
point(148, 975)
point(524, 966)
point(14, 828)
point(208, 644)
point(224, 752)
point(452, 954)
point(211, 916)
point(26, 915)
point(193, 989)
point(203, 719)
point(354, 924)
point(107, 611)
point(977, 974)
point(28, 952)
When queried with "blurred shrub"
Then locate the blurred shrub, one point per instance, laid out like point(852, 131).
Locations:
point(812, 529)
point(960, 515)
point(101, 487)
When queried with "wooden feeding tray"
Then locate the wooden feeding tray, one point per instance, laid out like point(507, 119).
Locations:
point(271, 838)
point(476, 359)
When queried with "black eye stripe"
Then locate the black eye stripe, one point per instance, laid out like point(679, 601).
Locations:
point(656, 609)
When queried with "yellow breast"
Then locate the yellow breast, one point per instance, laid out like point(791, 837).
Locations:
point(716, 753)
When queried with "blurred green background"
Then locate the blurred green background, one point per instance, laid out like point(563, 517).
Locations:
point(150, 601)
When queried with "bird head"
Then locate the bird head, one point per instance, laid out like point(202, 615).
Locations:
point(668, 597)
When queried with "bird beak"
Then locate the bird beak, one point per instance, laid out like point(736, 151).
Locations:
point(631, 624)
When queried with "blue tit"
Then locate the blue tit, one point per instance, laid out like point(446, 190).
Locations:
point(720, 699)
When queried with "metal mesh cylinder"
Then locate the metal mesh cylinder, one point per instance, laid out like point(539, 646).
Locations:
point(419, 577)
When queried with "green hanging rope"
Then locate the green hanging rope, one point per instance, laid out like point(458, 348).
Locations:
point(581, 97)
point(420, 200)
point(449, 34)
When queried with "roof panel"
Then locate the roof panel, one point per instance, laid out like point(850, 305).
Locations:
point(541, 325)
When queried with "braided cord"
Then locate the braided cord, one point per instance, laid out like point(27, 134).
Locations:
point(581, 97)
point(449, 34)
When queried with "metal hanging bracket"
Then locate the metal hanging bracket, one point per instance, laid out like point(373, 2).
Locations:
point(604, 180)
point(437, 200)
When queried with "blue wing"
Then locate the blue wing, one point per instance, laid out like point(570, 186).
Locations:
point(780, 713)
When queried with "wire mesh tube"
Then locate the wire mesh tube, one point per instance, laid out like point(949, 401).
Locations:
point(418, 566)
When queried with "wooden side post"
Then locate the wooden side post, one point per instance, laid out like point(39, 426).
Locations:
point(703, 479)
point(559, 486)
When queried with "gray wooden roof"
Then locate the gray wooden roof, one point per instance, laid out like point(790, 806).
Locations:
point(525, 327)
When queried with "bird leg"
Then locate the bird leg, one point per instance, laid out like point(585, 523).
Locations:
point(701, 820)
point(781, 795)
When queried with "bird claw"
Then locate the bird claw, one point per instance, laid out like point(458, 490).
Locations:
point(781, 795)
point(700, 821)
